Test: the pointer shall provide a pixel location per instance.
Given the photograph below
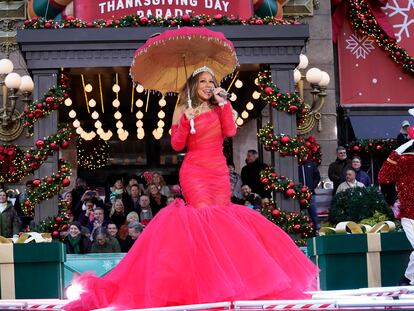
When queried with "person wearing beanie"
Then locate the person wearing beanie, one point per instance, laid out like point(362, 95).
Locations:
point(403, 136)
point(76, 242)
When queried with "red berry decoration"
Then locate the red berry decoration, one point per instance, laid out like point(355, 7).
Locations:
point(290, 193)
point(55, 234)
point(54, 146)
point(36, 182)
point(59, 219)
point(275, 212)
point(303, 202)
point(285, 139)
point(49, 100)
point(264, 180)
point(296, 227)
point(40, 143)
point(293, 109)
point(65, 182)
point(49, 180)
point(64, 145)
point(268, 90)
point(304, 189)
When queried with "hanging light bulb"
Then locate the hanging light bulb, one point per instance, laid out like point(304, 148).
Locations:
point(239, 121)
point(139, 88)
point(140, 135)
point(256, 95)
point(84, 135)
point(256, 81)
point(100, 131)
point(76, 123)
point(139, 115)
point(88, 88)
point(160, 123)
point(169, 131)
point(108, 135)
point(117, 115)
point(119, 124)
point(98, 124)
point(160, 130)
point(238, 83)
point(140, 130)
point(92, 103)
point(72, 114)
point(139, 103)
point(68, 102)
point(233, 97)
point(244, 114)
point(162, 102)
point(116, 103)
point(161, 114)
point(95, 115)
point(116, 88)
point(79, 130)
point(139, 124)
point(119, 131)
point(249, 106)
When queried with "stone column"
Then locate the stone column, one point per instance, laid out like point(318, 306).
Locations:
point(43, 80)
point(284, 123)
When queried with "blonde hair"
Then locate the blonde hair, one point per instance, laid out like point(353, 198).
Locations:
point(113, 207)
point(130, 215)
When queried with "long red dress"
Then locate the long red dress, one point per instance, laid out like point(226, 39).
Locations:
point(205, 250)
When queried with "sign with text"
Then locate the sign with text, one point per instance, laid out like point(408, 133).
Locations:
point(88, 10)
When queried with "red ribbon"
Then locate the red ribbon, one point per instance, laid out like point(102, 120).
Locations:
point(341, 8)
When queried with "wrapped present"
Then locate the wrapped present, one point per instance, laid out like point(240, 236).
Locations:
point(31, 270)
point(348, 261)
point(100, 264)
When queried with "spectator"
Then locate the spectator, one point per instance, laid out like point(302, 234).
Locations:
point(104, 243)
point(250, 199)
point(117, 191)
point(176, 191)
point(361, 176)
point(403, 136)
point(98, 220)
point(337, 169)
point(309, 176)
point(350, 181)
point(88, 197)
point(78, 191)
point(123, 231)
point(134, 181)
point(113, 232)
point(157, 200)
point(131, 201)
point(135, 229)
point(86, 215)
point(117, 214)
point(159, 181)
point(235, 183)
point(145, 213)
point(9, 220)
point(250, 173)
point(76, 242)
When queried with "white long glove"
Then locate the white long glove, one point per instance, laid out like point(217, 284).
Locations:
point(404, 146)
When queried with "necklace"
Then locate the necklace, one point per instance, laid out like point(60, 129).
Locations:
point(203, 107)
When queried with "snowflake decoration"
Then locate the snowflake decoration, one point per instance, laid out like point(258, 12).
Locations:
point(107, 265)
point(360, 46)
point(397, 9)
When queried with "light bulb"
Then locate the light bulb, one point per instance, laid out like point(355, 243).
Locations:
point(139, 103)
point(249, 106)
point(160, 123)
point(100, 131)
point(161, 114)
point(139, 115)
point(139, 123)
point(26, 84)
point(256, 95)
point(119, 124)
point(72, 114)
point(68, 102)
point(92, 103)
point(79, 130)
point(314, 75)
point(303, 61)
point(119, 131)
point(116, 88)
point(238, 84)
point(95, 115)
point(140, 130)
point(13, 80)
point(239, 121)
point(6, 66)
point(139, 88)
point(98, 124)
point(117, 115)
point(256, 81)
point(116, 103)
point(233, 97)
point(76, 123)
point(140, 135)
point(325, 79)
point(297, 75)
point(162, 102)
point(244, 114)
point(88, 88)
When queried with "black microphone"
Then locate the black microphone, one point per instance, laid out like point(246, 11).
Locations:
point(223, 94)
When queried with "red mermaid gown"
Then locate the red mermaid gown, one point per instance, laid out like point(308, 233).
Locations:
point(205, 250)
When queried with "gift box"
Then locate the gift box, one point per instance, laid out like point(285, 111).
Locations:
point(100, 264)
point(348, 261)
point(30, 271)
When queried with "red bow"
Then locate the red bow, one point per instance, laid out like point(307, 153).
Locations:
point(341, 8)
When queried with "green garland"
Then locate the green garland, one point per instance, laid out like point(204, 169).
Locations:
point(364, 23)
point(21, 163)
point(50, 102)
point(58, 223)
point(288, 102)
point(272, 181)
point(93, 154)
point(290, 222)
point(152, 21)
point(46, 188)
point(290, 146)
point(374, 147)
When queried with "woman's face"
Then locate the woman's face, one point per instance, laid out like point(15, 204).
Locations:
point(3, 197)
point(118, 184)
point(156, 178)
point(119, 207)
point(205, 86)
point(74, 231)
point(153, 189)
point(68, 198)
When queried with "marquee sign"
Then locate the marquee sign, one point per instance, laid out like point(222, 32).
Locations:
point(89, 10)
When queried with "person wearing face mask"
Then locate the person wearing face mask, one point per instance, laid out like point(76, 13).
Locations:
point(337, 169)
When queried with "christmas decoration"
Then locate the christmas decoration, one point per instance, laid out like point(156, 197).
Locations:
point(272, 95)
point(290, 146)
point(16, 163)
point(47, 104)
point(93, 154)
point(152, 21)
point(365, 22)
point(46, 188)
point(293, 223)
point(374, 147)
point(356, 204)
point(56, 224)
point(272, 181)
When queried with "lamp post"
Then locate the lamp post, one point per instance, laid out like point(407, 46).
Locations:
point(318, 81)
point(11, 125)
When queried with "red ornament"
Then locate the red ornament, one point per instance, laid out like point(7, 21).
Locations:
point(65, 182)
point(64, 144)
point(273, 174)
point(275, 212)
point(290, 193)
point(296, 227)
point(59, 219)
point(292, 109)
point(291, 184)
point(274, 104)
point(356, 148)
point(303, 202)
point(55, 234)
point(49, 100)
point(304, 189)
point(285, 140)
point(40, 143)
point(49, 180)
point(54, 146)
point(186, 18)
point(27, 203)
point(64, 227)
point(218, 16)
point(36, 182)
point(268, 90)
point(265, 180)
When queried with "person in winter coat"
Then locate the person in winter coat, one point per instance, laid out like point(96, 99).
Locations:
point(9, 220)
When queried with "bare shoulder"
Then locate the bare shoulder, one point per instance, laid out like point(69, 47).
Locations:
point(178, 112)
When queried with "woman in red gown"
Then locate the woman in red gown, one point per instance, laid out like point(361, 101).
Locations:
point(205, 249)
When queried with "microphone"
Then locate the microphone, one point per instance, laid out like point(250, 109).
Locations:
point(223, 94)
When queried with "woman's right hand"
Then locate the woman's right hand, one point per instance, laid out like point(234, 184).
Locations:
point(189, 113)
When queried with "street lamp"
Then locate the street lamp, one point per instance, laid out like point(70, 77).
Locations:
point(11, 124)
point(318, 81)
